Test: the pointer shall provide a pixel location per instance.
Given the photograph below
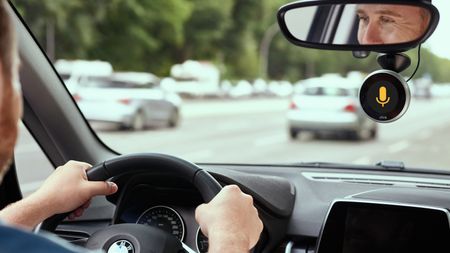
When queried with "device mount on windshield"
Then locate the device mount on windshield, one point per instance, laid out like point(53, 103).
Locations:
point(356, 25)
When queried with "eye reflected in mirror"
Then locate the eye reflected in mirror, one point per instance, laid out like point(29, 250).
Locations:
point(358, 24)
point(390, 24)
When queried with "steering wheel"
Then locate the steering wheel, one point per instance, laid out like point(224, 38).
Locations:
point(138, 238)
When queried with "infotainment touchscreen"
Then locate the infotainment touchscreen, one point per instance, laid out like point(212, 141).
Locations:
point(356, 227)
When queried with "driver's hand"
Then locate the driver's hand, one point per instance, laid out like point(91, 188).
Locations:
point(65, 190)
point(68, 189)
point(230, 221)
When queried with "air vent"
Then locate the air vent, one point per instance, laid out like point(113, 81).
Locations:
point(378, 180)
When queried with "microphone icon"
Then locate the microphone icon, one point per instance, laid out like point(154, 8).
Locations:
point(382, 98)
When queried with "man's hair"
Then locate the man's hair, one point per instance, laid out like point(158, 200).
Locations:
point(7, 41)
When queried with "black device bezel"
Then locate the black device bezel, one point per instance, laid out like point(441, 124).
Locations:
point(404, 95)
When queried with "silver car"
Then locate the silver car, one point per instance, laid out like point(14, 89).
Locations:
point(329, 108)
point(130, 99)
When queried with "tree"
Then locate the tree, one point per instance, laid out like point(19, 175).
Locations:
point(153, 35)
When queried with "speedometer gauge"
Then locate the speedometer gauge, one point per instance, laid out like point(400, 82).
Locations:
point(202, 242)
point(165, 218)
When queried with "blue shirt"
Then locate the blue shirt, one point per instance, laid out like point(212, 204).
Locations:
point(13, 240)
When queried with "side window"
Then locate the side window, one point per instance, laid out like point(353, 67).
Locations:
point(32, 165)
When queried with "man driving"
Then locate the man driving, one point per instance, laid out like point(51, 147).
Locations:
point(390, 24)
point(230, 220)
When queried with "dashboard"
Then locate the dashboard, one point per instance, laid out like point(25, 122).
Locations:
point(162, 202)
point(294, 204)
point(175, 220)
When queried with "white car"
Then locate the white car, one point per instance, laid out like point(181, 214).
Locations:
point(130, 99)
point(195, 79)
point(73, 72)
point(330, 107)
point(243, 89)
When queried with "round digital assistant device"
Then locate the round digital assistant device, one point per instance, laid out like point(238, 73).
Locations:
point(384, 96)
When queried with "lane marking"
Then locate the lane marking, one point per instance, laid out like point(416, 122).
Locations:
point(399, 146)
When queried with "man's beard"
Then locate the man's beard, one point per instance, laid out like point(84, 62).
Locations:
point(9, 114)
point(8, 137)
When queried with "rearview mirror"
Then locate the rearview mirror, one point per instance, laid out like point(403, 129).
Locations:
point(381, 26)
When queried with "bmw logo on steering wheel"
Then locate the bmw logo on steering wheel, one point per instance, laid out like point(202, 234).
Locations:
point(121, 246)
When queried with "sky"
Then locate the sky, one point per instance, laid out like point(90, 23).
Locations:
point(439, 42)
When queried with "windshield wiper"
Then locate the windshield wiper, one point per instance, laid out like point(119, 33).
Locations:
point(391, 165)
point(386, 165)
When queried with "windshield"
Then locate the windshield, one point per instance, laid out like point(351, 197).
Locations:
point(232, 89)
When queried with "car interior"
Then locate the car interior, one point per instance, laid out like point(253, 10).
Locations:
point(305, 206)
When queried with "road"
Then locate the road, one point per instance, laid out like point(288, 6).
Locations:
point(255, 131)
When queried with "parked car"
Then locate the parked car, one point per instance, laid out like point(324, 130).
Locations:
point(260, 87)
point(132, 100)
point(242, 89)
point(330, 108)
point(280, 88)
point(194, 79)
point(422, 87)
point(73, 72)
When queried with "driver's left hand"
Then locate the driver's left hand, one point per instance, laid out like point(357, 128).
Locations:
point(65, 190)
point(68, 189)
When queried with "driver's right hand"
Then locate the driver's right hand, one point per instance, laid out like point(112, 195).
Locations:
point(230, 220)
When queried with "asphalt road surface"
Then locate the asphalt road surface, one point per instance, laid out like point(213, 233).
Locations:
point(255, 131)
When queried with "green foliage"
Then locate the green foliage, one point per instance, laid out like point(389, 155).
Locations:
point(431, 64)
point(152, 35)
